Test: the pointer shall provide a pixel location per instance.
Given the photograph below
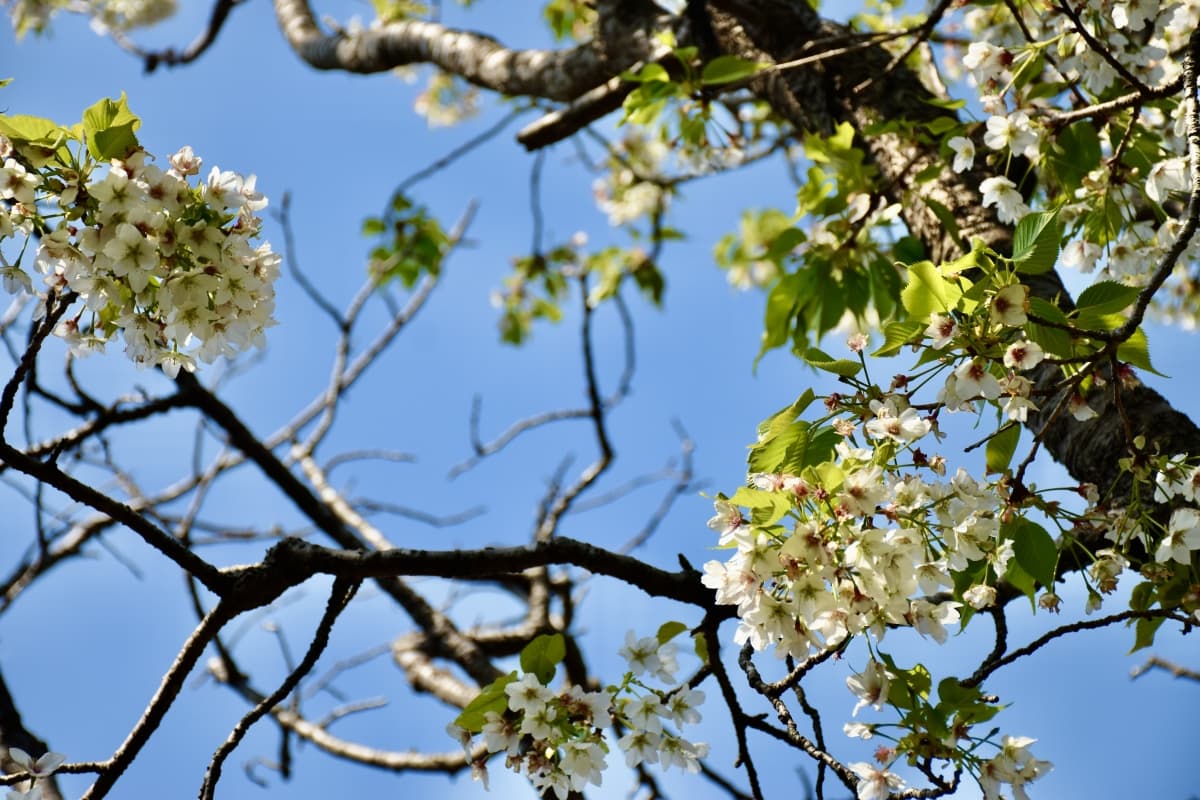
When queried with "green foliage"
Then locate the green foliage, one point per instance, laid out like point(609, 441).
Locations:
point(842, 367)
point(399, 10)
point(1001, 446)
point(728, 69)
point(1036, 242)
point(929, 292)
point(569, 19)
point(845, 271)
point(412, 243)
point(491, 698)
point(680, 83)
point(669, 630)
point(543, 655)
point(109, 128)
point(1135, 351)
point(1034, 549)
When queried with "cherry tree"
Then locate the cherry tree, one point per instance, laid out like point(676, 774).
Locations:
point(955, 168)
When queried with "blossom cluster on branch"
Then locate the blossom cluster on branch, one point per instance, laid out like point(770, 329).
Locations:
point(159, 259)
point(559, 739)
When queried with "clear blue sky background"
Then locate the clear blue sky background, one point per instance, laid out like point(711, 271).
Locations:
point(84, 650)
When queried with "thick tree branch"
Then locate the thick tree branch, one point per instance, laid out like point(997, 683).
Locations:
point(555, 75)
point(294, 560)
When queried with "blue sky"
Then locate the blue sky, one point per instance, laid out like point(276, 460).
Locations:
point(84, 651)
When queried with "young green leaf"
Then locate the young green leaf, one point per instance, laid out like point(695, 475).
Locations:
point(109, 127)
point(774, 424)
point(491, 698)
point(727, 69)
point(669, 630)
point(543, 655)
point(1036, 241)
point(1000, 448)
point(1135, 351)
point(1034, 549)
point(821, 360)
point(1144, 630)
point(928, 292)
point(896, 335)
point(1106, 297)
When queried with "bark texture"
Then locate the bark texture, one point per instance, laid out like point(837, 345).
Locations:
point(563, 75)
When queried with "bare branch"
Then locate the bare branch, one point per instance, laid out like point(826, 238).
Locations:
point(1154, 662)
point(163, 699)
point(340, 596)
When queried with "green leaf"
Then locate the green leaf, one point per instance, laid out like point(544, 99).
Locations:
point(1076, 151)
point(939, 125)
point(727, 69)
point(1144, 630)
point(771, 453)
point(1033, 549)
point(927, 292)
point(24, 128)
point(1053, 340)
point(1135, 351)
point(108, 127)
point(885, 285)
point(373, 226)
point(35, 138)
point(1036, 242)
point(653, 73)
point(950, 105)
point(787, 241)
point(650, 280)
point(669, 630)
point(832, 303)
point(953, 693)
point(908, 249)
point(980, 712)
point(701, 647)
point(749, 497)
point(821, 360)
point(1142, 596)
point(1102, 299)
point(777, 422)
point(491, 698)
point(908, 685)
point(543, 655)
point(1000, 448)
point(781, 309)
point(821, 444)
point(896, 335)
point(1022, 581)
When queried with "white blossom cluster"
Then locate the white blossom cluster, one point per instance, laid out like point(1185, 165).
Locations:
point(973, 379)
point(862, 544)
point(627, 192)
point(122, 15)
point(168, 266)
point(106, 15)
point(558, 739)
point(856, 556)
point(446, 100)
point(861, 558)
point(1147, 39)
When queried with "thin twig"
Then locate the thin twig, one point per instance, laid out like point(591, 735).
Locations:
point(343, 591)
